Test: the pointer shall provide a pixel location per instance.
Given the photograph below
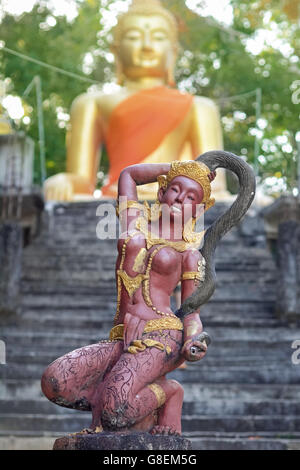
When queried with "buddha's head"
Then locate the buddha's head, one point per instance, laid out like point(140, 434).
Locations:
point(146, 42)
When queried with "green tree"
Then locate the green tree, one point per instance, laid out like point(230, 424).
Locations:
point(215, 61)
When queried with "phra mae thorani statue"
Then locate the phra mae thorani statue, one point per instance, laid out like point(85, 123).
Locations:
point(146, 121)
point(123, 380)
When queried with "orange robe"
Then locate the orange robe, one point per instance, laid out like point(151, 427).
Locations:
point(139, 124)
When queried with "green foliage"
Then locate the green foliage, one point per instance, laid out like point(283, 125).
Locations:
point(63, 46)
point(214, 61)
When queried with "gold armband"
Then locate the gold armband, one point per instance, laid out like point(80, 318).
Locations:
point(198, 275)
point(128, 205)
point(191, 275)
point(159, 393)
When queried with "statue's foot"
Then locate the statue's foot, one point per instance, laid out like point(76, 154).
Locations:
point(92, 430)
point(165, 430)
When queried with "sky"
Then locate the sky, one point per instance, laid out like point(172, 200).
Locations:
point(219, 9)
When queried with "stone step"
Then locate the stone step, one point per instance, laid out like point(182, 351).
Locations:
point(71, 236)
point(12, 442)
point(62, 238)
point(70, 301)
point(66, 423)
point(244, 393)
point(70, 273)
point(30, 388)
point(213, 359)
point(250, 443)
point(256, 352)
point(97, 252)
point(260, 373)
point(209, 442)
point(217, 334)
point(57, 260)
point(68, 297)
point(101, 309)
point(253, 374)
point(83, 321)
point(233, 293)
point(247, 338)
point(200, 408)
point(236, 424)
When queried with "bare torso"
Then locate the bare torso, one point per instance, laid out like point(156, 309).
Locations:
point(165, 274)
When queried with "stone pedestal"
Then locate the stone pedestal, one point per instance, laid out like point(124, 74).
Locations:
point(16, 161)
point(282, 221)
point(121, 441)
point(11, 243)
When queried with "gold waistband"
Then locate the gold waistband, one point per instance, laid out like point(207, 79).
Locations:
point(166, 323)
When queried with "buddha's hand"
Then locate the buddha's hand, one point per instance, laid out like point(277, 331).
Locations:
point(194, 349)
point(133, 329)
point(64, 186)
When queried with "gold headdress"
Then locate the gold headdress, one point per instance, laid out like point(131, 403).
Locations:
point(149, 7)
point(191, 169)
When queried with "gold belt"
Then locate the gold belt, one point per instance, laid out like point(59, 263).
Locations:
point(157, 324)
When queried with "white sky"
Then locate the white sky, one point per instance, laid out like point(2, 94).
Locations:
point(59, 7)
point(219, 9)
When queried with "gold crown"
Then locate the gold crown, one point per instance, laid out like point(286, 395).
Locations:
point(196, 171)
point(149, 7)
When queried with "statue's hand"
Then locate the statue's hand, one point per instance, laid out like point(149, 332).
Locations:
point(194, 349)
point(133, 329)
point(212, 176)
point(64, 186)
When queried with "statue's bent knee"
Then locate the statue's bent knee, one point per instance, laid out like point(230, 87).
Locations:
point(115, 419)
point(50, 384)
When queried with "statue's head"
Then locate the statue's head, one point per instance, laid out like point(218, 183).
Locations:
point(146, 42)
point(187, 183)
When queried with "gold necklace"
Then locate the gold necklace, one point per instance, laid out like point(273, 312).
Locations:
point(152, 239)
point(119, 277)
point(146, 285)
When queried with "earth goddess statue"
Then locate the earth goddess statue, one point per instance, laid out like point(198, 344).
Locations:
point(123, 380)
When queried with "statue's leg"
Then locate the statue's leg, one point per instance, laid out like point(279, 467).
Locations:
point(71, 380)
point(136, 387)
point(169, 415)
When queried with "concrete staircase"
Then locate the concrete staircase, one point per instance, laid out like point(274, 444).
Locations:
point(244, 395)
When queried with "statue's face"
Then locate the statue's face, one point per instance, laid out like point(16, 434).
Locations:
point(183, 196)
point(146, 48)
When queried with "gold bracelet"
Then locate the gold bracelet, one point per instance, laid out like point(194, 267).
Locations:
point(159, 394)
point(128, 205)
point(191, 275)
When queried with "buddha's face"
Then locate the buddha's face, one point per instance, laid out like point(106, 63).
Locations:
point(146, 48)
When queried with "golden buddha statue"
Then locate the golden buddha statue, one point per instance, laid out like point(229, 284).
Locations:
point(5, 126)
point(146, 121)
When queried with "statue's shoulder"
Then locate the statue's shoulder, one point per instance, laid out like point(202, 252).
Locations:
point(109, 100)
point(105, 101)
point(205, 109)
point(101, 96)
point(205, 103)
point(85, 99)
